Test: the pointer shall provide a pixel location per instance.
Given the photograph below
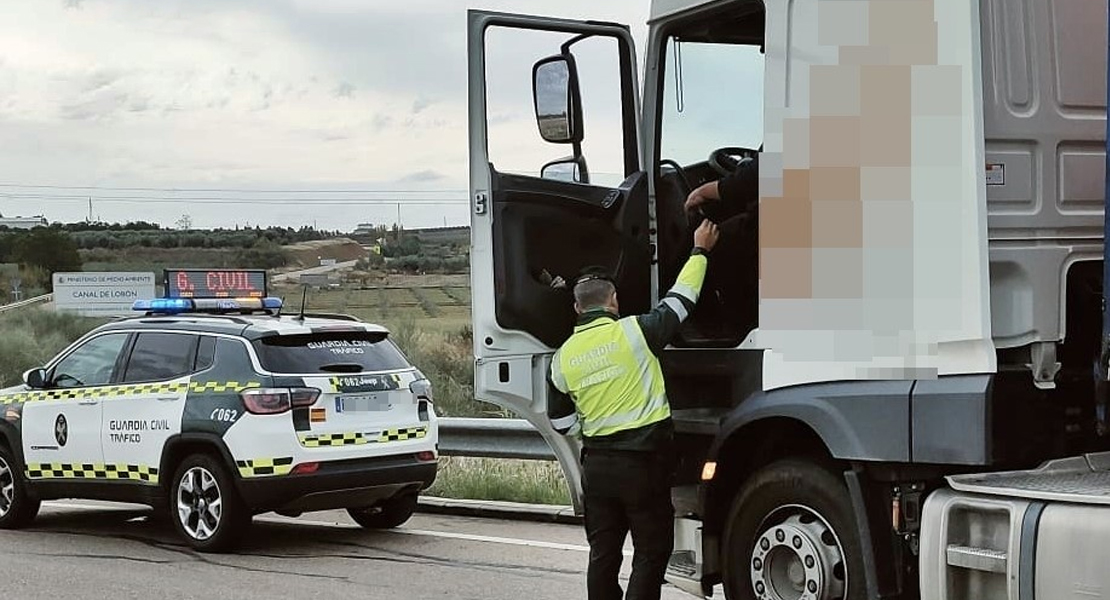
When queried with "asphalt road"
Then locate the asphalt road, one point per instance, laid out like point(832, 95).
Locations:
point(102, 551)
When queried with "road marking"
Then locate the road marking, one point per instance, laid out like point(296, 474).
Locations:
point(487, 539)
point(445, 535)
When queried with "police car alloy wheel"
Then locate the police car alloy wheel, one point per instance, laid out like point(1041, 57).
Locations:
point(16, 508)
point(206, 506)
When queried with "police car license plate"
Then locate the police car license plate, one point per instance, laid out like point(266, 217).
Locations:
point(362, 403)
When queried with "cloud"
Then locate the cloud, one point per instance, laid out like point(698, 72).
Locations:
point(426, 176)
point(420, 104)
point(319, 93)
point(345, 90)
point(380, 123)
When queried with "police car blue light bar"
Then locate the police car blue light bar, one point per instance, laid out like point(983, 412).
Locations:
point(211, 305)
point(163, 305)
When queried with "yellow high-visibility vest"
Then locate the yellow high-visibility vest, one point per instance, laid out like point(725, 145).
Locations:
point(608, 369)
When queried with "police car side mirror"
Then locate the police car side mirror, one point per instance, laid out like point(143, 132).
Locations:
point(35, 378)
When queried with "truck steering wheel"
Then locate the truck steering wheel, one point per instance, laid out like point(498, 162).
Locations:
point(722, 161)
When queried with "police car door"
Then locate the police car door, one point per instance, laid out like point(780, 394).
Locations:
point(155, 381)
point(61, 424)
point(541, 88)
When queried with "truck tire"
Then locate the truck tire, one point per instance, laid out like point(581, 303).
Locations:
point(791, 532)
point(17, 508)
point(206, 507)
point(387, 515)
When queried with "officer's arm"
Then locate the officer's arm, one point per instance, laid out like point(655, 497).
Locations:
point(662, 324)
point(561, 411)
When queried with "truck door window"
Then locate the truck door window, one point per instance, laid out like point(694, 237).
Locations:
point(713, 98)
point(515, 144)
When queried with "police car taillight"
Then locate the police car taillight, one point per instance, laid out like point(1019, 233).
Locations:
point(272, 401)
point(304, 396)
point(266, 401)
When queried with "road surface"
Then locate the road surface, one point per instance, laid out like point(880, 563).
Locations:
point(97, 550)
point(296, 275)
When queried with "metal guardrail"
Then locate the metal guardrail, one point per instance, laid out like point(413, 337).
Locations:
point(28, 302)
point(492, 438)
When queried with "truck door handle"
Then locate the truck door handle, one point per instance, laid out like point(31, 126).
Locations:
point(89, 402)
point(167, 398)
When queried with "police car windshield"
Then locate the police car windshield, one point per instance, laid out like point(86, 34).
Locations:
point(329, 353)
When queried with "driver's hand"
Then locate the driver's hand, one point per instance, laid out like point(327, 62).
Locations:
point(701, 195)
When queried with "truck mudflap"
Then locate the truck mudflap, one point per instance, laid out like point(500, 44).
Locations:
point(1019, 535)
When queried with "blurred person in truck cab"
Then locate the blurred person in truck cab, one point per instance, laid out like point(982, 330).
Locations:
point(735, 193)
point(607, 386)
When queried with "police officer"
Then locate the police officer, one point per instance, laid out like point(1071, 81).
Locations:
point(607, 387)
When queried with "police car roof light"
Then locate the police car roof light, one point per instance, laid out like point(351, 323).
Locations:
point(205, 305)
point(163, 305)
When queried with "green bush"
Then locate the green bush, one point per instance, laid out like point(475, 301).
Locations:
point(31, 336)
point(448, 363)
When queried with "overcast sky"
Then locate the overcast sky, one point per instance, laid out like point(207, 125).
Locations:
point(207, 96)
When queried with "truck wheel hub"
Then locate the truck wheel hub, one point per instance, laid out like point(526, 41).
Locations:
point(798, 559)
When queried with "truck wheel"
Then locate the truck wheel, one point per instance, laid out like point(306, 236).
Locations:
point(207, 509)
point(387, 515)
point(17, 509)
point(791, 534)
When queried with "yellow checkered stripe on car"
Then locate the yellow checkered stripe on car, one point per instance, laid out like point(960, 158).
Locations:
point(141, 473)
point(118, 391)
point(333, 439)
point(265, 467)
point(404, 433)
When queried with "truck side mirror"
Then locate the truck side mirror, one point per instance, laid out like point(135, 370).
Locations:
point(35, 378)
point(556, 100)
point(566, 169)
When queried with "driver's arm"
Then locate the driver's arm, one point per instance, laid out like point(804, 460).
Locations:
point(739, 190)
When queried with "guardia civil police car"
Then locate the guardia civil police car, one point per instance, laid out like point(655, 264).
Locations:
point(216, 407)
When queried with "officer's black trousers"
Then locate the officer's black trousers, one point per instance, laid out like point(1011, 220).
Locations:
point(627, 492)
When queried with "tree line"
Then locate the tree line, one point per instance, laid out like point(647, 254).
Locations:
point(89, 236)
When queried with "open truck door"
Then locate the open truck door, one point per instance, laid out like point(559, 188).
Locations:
point(538, 212)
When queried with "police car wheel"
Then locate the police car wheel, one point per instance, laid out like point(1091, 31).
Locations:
point(17, 509)
point(387, 515)
point(207, 509)
point(791, 534)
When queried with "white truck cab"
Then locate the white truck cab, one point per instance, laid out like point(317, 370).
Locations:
point(913, 299)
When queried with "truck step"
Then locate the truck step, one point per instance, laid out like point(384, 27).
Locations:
point(979, 559)
point(1082, 479)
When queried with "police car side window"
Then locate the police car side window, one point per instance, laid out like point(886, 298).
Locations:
point(90, 364)
point(206, 353)
point(160, 356)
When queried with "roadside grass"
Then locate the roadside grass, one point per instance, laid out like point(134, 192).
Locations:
point(529, 481)
point(31, 336)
